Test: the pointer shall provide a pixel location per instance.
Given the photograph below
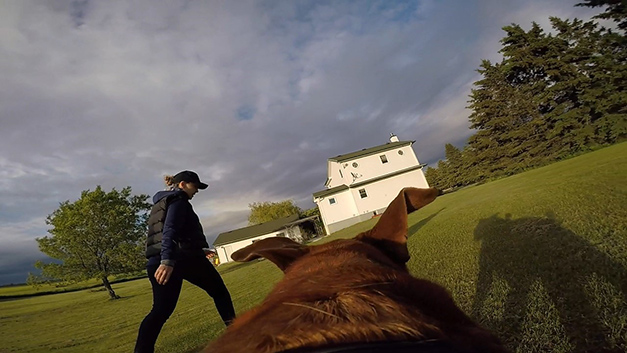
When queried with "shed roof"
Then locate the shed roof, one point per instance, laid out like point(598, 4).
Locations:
point(371, 150)
point(253, 231)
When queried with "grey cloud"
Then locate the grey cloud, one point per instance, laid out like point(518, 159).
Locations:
point(224, 222)
point(15, 269)
point(119, 93)
point(18, 256)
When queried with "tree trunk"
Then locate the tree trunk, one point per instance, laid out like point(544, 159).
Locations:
point(107, 285)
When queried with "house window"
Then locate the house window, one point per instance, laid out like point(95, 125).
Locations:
point(332, 201)
point(384, 159)
point(400, 152)
point(341, 176)
point(355, 165)
point(362, 193)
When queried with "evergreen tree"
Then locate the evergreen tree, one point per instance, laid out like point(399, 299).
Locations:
point(455, 165)
point(551, 96)
point(616, 10)
point(591, 98)
point(433, 177)
point(504, 117)
point(445, 180)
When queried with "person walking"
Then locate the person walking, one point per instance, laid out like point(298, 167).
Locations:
point(177, 250)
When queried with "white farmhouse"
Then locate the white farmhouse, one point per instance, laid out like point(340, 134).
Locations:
point(300, 230)
point(361, 184)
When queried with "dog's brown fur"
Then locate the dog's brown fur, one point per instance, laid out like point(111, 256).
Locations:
point(352, 291)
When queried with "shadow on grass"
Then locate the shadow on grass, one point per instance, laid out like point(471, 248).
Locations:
point(543, 288)
point(98, 287)
point(416, 227)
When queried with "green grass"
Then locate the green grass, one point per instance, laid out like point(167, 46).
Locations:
point(540, 258)
point(24, 290)
point(87, 321)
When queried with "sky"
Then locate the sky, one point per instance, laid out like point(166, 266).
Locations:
point(254, 96)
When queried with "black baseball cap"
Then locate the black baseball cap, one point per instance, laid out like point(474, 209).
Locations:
point(189, 177)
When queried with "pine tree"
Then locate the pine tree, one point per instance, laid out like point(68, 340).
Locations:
point(551, 96)
point(616, 10)
point(455, 167)
point(433, 177)
point(503, 117)
point(599, 58)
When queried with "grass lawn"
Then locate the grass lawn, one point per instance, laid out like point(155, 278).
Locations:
point(540, 258)
point(23, 290)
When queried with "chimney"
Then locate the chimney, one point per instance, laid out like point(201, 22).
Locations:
point(393, 138)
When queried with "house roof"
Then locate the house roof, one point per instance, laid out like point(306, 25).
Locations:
point(302, 220)
point(330, 191)
point(253, 231)
point(371, 150)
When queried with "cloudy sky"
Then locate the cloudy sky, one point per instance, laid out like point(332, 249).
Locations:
point(253, 95)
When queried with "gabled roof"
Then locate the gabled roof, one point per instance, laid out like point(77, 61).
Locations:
point(330, 191)
point(371, 150)
point(253, 231)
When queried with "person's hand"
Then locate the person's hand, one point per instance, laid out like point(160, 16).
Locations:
point(163, 273)
point(209, 253)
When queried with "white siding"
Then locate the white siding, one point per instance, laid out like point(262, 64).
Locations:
point(343, 208)
point(349, 207)
point(225, 251)
point(370, 167)
point(382, 192)
point(336, 173)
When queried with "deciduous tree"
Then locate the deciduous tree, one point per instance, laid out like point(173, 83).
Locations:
point(99, 235)
point(262, 212)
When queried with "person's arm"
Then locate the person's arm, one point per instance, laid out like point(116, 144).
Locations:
point(172, 225)
point(172, 229)
point(209, 253)
point(205, 246)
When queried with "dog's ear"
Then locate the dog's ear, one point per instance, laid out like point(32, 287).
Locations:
point(390, 232)
point(281, 251)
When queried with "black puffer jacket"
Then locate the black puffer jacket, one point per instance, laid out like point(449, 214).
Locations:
point(174, 230)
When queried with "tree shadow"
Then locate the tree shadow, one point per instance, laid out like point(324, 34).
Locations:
point(416, 227)
point(537, 288)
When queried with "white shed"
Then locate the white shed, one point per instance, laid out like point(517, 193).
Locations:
point(300, 230)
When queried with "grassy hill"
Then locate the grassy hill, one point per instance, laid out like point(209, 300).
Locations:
point(539, 257)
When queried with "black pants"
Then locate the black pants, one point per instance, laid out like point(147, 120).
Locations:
point(199, 272)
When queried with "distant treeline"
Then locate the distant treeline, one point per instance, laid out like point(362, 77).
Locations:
point(552, 96)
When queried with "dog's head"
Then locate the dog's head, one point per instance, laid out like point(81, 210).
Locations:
point(389, 235)
point(352, 291)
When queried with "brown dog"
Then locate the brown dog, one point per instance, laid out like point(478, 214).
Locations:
point(354, 295)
